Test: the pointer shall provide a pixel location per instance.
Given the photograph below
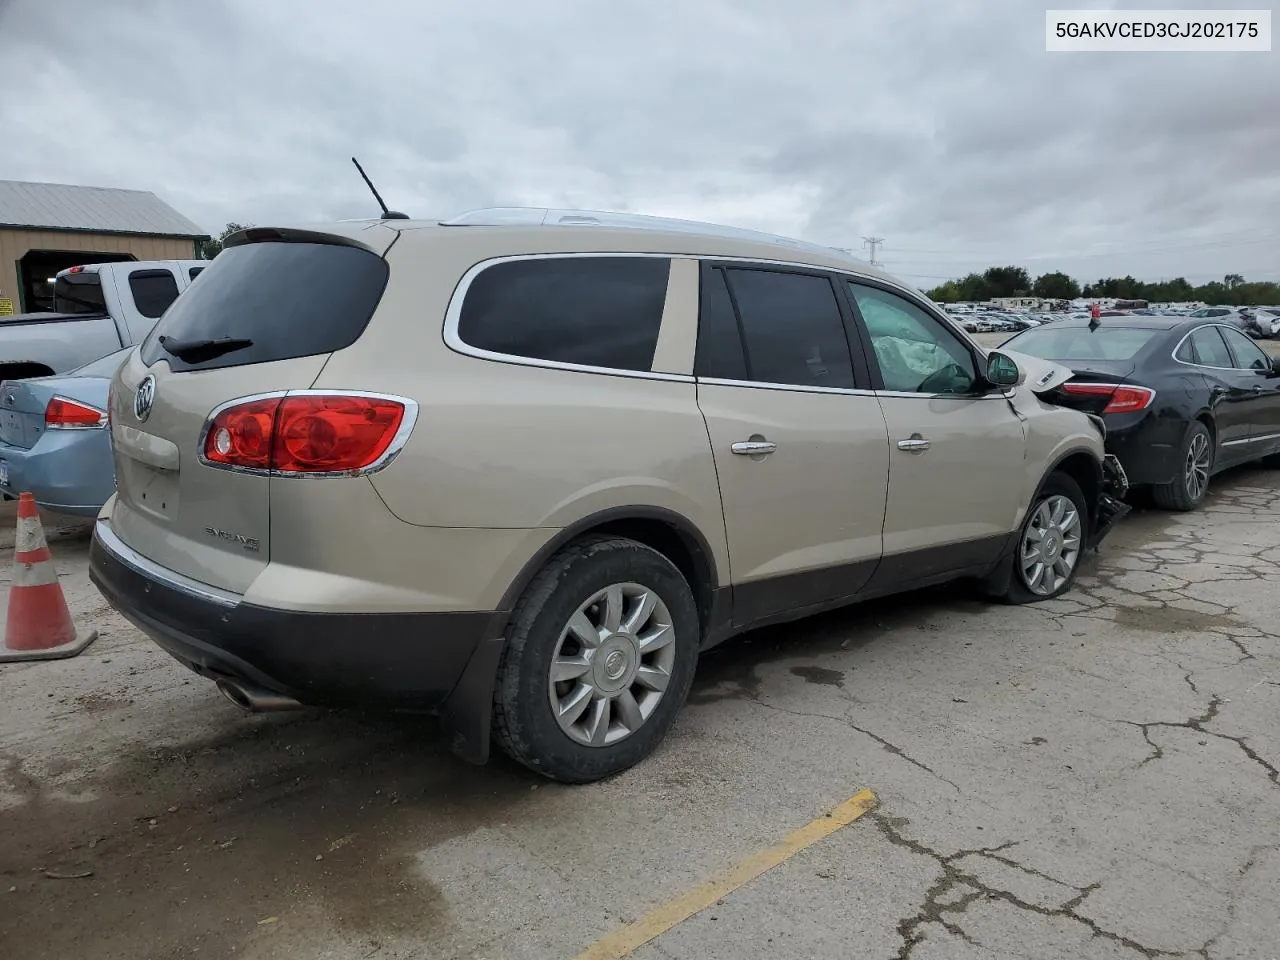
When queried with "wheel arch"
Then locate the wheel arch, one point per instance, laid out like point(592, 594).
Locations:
point(466, 715)
point(1085, 469)
point(670, 533)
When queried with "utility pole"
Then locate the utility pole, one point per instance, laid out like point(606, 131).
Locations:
point(873, 242)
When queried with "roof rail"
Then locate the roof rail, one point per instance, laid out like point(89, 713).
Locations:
point(550, 217)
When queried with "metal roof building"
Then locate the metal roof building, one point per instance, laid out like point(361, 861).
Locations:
point(47, 227)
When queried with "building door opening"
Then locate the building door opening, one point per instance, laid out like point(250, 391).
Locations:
point(38, 268)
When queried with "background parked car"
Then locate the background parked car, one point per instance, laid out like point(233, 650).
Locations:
point(100, 308)
point(54, 441)
point(1182, 398)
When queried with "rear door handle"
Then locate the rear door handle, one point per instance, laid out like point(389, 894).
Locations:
point(754, 448)
point(917, 444)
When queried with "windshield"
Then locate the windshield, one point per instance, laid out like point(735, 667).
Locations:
point(1083, 343)
point(78, 293)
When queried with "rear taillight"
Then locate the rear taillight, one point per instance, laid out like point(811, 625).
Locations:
point(1121, 398)
point(64, 414)
point(308, 433)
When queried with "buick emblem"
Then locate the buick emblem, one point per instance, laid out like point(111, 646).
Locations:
point(144, 398)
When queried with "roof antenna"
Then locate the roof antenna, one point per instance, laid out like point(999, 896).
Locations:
point(387, 214)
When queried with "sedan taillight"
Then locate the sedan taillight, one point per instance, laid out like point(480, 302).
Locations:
point(310, 433)
point(1121, 398)
point(64, 414)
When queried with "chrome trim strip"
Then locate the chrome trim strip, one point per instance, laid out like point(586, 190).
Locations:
point(401, 437)
point(121, 551)
point(1261, 439)
point(1205, 366)
point(453, 312)
point(788, 387)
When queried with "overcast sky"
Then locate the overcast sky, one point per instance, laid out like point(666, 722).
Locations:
point(943, 127)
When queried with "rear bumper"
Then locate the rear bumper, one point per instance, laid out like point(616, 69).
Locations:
point(67, 471)
point(395, 660)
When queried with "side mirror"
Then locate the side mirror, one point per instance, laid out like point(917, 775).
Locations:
point(1275, 367)
point(1002, 371)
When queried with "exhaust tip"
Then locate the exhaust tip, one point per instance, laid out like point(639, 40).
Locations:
point(254, 699)
point(235, 694)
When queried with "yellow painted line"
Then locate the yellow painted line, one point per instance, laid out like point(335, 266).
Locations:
point(626, 940)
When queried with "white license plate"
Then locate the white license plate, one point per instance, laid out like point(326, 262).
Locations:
point(4, 474)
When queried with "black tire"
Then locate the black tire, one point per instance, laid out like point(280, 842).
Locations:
point(1178, 494)
point(524, 723)
point(1015, 587)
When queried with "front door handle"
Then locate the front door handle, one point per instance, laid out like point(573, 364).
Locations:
point(755, 447)
point(917, 444)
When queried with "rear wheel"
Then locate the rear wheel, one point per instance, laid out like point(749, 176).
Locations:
point(1050, 543)
point(1188, 489)
point(600, 656)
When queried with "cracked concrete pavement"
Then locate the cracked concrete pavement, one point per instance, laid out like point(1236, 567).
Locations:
point(1086, 778)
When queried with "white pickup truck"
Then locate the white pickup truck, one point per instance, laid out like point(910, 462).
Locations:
point(99, 309)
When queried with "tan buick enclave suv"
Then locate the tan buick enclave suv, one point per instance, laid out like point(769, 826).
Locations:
point(521, 467)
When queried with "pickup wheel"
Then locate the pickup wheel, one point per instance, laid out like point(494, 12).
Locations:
point(1046, 557)
point(599, 659)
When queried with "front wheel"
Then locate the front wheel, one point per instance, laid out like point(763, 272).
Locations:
point(600, 656)
point(1050, 543)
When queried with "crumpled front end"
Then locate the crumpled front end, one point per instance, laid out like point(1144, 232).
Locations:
point(1111, 506)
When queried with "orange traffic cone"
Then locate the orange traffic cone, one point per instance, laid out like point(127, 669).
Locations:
point(39, 625)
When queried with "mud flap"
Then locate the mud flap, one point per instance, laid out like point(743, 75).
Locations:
point(465, 716)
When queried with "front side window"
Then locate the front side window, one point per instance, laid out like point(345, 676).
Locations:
point(1247, 354)
point(792, 329)
point(153, 291)
point(1209, 349)
point(590, 311)
point(915, 352)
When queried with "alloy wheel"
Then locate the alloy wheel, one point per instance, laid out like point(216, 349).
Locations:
point(1196, 470)
point(1050, 545)
point(612, 664)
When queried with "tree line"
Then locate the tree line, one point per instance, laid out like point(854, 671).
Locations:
point(993, 282)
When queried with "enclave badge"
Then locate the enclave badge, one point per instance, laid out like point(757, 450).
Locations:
point(144, 398)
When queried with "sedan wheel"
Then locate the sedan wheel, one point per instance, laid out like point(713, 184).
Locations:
point(1195, 473)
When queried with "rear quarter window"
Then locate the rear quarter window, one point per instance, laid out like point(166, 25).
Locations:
point(288, 299)
point(587, 311)
point(153, 291)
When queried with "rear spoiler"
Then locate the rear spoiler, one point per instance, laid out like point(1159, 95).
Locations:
point(301, 235)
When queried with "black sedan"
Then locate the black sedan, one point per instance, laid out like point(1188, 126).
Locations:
point(1182, 398)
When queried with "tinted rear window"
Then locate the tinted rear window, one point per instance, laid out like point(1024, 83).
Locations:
point(78, 293)
point(290, 299)
point(594, 311)
point(1081, 343)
